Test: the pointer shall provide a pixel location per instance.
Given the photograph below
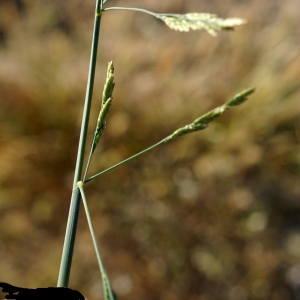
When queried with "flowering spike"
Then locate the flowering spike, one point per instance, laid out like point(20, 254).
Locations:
point(197, 21)
point(203, 121)
point(106, 103)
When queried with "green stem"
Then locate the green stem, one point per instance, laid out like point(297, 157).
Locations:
point(106, 283)
point(89, 161)
point(88, 216)
point(132, 9)
point(67, 254)
point(126, 160)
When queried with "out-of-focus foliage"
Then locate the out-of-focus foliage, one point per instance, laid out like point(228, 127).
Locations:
point(213, 215)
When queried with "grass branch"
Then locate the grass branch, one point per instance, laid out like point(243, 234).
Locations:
point(132, 9)
point(199, 124)
point(124, 161)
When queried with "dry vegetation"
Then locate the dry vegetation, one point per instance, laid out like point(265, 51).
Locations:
point(212, 216)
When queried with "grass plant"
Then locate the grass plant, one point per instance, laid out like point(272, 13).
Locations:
point(211, 215)
point(192, 21)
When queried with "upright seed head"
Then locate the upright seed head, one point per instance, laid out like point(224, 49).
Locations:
point(109, 84)
point(106, 103)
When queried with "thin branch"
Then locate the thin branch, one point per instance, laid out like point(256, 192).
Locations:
point(132, 9)
point(124, 161)
point(108, 293)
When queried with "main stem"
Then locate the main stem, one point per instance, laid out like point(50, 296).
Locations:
point(67, 254)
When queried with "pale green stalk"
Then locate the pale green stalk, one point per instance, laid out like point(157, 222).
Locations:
point(67, 254)
point(108, 293)
point(124, 161)
point(132, 9)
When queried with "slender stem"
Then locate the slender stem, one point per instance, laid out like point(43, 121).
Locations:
point(89, 161)
point(126, 160)
point(106, 283)
point(67, 254)
point(88, 216)
point(132, 9)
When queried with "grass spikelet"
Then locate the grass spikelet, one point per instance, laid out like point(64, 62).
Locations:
point(198, 21)
point(106, 103)
point(240, 98)
point(101, 123)
point(203, 121)
point(109, 84)
point(105, 106)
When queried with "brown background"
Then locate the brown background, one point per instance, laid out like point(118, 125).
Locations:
point(213, 215)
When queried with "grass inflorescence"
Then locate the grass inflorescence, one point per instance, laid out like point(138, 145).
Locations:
point(184, 22)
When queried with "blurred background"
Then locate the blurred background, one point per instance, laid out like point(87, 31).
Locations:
point(213, 215)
